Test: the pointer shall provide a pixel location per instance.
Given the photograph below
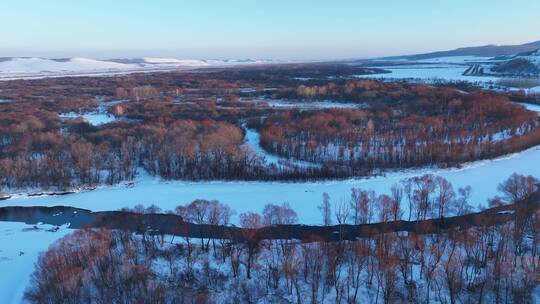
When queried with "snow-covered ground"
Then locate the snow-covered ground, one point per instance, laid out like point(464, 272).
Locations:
point(34, 67)
point(19, 251)
point(533, 57)
point(20, 244)
point(98, 116)
point(94, 119)
point(176, 62)
point(451, 69)
point(429, 72)
point(309, 105)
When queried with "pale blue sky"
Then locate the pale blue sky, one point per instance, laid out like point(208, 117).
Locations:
point(285, 29)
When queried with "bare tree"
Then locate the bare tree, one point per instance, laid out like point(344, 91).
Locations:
point(326, 210)
point(517, 187)
point(445, 196)
point(342, 212)
point(250, 222)
point(397, 197)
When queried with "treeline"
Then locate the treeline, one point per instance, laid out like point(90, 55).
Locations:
point(365, 90)
point(441, 130)
point(486, 263)
point(176, 125)
point(191, 85)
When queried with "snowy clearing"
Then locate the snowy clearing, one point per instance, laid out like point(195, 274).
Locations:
point(34, 67)
point(310, 105)
point(94, 119)
point(429, 72)
point(17, 260)
point(172, 61)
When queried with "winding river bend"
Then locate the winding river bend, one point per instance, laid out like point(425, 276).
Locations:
point(17, 259)
point(483, 176)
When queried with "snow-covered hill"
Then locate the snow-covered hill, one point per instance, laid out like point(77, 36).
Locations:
point(524, 64)
point(34, 67)
point(533, 57)
point(176, 62)
point(478, 51)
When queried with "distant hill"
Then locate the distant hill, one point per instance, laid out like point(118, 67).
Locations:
point(481, 51)
point(524, 64)
point(29, 67)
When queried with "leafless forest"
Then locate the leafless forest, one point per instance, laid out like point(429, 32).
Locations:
point(188, 125)
point(487, 262)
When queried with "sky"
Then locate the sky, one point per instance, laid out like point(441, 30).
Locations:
point(278, 29)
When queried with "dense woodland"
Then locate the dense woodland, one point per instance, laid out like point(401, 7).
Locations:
point(444, 129)
point(189, 125)
point(488, 263)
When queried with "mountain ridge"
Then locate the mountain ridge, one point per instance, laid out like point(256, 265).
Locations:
point(490, 50)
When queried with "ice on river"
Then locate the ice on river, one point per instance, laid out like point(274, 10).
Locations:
point(253, 140)
point(483, 176)
point(20, 244)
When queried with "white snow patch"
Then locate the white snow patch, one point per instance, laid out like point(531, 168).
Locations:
point(94, 119)
point(308, 105)
point(172, 61)
point(37, 65)
point(533, 91)
point(429, 72)
point(36, 68)
point(19, 251)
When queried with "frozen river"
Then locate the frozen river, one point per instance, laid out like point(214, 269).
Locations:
point(483, 176)
point(17, 259)
point(25, 242)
